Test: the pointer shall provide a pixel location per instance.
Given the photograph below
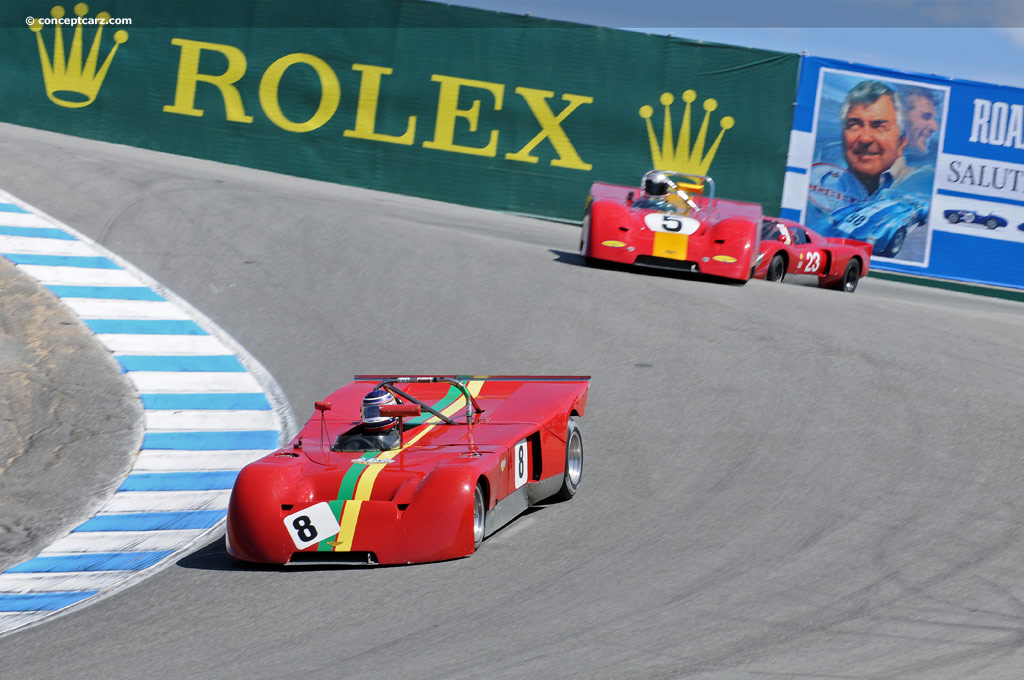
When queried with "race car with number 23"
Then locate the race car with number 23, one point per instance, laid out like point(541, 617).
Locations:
point(790, 248)
point(392, 470)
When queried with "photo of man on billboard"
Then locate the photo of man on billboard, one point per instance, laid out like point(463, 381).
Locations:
point(922, 124)
point(875, 150)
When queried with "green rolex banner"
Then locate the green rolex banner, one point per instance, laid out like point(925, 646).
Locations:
point(486, 109)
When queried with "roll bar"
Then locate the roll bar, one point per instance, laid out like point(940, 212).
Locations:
point(702, 185)
point(471, 404)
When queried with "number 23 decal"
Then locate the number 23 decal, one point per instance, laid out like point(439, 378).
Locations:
point(813, 262)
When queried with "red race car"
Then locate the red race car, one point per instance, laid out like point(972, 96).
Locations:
point(400, 470)
point(673, 222)
point(791, 248)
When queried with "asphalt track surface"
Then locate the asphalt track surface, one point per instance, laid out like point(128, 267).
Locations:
point(780, 481)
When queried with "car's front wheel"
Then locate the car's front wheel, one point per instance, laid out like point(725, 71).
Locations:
point(991, 223)
point(895, 243)
point(479, 515)
point(776, 269)
point(585, 232)
point(573, 462)
point(954, 217)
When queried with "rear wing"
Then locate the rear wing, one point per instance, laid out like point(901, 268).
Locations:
point(838, 241)
point(603, 191)
point(432, 378)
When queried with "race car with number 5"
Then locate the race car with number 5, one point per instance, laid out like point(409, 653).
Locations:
point(448, 461)
point(672, 222)
point(790, 248)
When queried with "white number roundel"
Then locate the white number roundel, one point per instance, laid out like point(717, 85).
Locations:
point(311, 525)
point(521, 465)
point(671, 224)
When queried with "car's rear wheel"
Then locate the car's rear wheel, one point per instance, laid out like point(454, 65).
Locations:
point(850, 277)
point(776, 269)
point(895, 243)
point(573, 462)
point(954, 217)
point(479, 515)
point(991, 223)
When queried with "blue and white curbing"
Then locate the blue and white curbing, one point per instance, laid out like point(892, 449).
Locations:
point(209, 408)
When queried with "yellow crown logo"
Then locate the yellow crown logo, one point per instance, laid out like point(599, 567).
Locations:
point(679, 156)
point(69, 81)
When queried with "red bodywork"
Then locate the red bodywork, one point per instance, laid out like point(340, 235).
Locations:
point(807, 252)
point(723, 242)
point(415, 503)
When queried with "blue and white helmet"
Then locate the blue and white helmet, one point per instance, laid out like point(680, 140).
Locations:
point(373, 421)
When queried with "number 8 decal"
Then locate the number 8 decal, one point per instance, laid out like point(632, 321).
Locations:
point(304, 528)
point(311, 525)
point(521, 463)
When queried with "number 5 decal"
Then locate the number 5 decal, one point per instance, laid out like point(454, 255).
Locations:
point(311, 525)
point(521, 463)
point(671, 224)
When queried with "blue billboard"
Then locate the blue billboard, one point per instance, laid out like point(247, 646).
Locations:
point(928, 169)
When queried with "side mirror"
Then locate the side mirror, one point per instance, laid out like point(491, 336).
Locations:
point(782, 238)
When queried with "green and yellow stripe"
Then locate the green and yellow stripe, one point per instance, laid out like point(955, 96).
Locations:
point(357, 483)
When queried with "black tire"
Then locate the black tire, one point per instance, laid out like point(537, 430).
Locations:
point(479, 515)
point(776, 269)
point(573, 462)
point(850, 277)
point(585, 233)
point(954, 217)
point(895, 244)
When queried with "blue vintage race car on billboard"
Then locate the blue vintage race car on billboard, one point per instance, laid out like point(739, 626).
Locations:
point(884, 222)
point(990, 221)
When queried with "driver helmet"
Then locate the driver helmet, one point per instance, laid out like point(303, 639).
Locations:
point(370, 411)
point(657, 185)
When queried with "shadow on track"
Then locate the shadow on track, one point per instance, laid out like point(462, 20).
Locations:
point(575, 259)
point(214, 555)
